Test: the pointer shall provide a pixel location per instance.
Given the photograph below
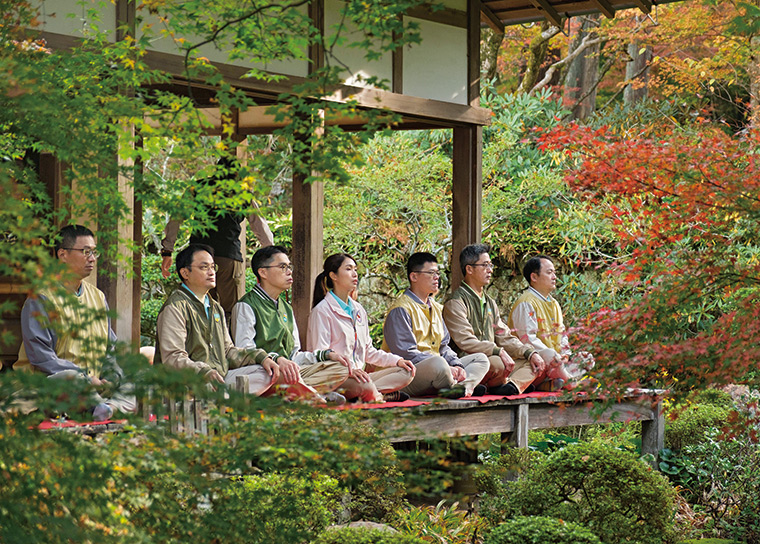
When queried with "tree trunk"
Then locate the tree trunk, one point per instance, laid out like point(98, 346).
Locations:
point(536, 56)
point(489, 54)
point(754, 85)
point(637, 73)
point(583, 72)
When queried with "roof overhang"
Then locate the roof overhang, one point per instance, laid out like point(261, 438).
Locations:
point(501, 13)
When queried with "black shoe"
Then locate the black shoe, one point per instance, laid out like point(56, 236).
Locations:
point(455, 392)
point(507, 390)
point(479, 391)
point(396, 396)
point(530, 389)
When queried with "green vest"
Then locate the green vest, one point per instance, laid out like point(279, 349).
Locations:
point(481, 317)
point(274, 323)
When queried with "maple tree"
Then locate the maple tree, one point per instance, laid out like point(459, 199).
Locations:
point(684, 205)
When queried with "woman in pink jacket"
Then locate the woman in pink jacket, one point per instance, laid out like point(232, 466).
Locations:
point(339, 323)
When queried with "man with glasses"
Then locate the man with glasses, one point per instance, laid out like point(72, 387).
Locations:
point(263, 318)
point(476, 327)
point(66, 330)
point(414, 329)
point(192, 333)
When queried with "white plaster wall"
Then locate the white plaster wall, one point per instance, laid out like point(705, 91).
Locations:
point(358, 67)
point(55, 16)
point(437, 68)
point(165, 44)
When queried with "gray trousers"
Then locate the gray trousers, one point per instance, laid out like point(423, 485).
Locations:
point(434, 373)
point(122, 400)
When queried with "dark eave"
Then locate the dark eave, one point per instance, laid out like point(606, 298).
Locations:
point(500, 13)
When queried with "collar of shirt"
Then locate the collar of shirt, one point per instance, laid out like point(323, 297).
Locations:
point(263, 293)
point(539, 295)
point(346, 307)
point(417, 299)
point(482, 297)
point(206, 300)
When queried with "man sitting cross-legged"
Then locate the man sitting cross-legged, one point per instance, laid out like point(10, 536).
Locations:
point(263, 318)
point(536, 318)
point(69, 337)
point(192, 333)
point(414, 329)
point(473, 320)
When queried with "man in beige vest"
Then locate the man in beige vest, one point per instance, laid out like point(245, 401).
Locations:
point(66, 330)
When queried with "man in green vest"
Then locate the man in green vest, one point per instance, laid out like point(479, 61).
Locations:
point(66, 330)
point(263, 318)
point(473, 320)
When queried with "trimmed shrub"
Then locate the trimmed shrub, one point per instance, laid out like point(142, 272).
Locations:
point(619, 498)
point(277, 507)
point(691, 426)
point(364, 535)
point(540, 530)
point(713, 397)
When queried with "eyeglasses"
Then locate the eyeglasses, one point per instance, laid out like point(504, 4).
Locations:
point(87, 252)
point(206, 267)
point(484, 265)
point(282, 266)
point(434, 273)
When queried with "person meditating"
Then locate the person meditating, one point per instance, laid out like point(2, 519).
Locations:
point(339, 323)
point(414, 329)
point(67, 332)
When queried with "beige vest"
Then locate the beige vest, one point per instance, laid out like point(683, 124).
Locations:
point(427, 323)
point(81, 329)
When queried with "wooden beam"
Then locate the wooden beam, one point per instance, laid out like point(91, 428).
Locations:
point(550, 13)
point(440, 114)
point(317, 50)
point(644, 5)
point(445, 16)
point(466, 195)
point(397, 68)
point(489, 17)
point(605, 7)
point(473, 52)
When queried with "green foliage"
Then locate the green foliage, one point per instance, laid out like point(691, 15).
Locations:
point(719, 476)
point(693, 424)
point(363, 535)
point(495, 471)
point(619, 498)
point(276, 507)
point(539, 530)
point(713, 397)
point(440, 523)
point(381, 492)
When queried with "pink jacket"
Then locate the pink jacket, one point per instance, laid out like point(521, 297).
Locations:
point(331, 328)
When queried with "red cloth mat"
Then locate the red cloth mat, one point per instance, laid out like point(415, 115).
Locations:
point(53, 424)
point(372, 406)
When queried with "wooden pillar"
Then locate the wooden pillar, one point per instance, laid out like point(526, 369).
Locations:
point(518, 437)
point(117, 280)
point(653, 434)
point(467, 194)
point(467, 190)
point(308, 204)
point(308, 246)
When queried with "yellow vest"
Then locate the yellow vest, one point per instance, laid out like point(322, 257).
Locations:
point(427, 323)
point(551, 327)
point(81, 329)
